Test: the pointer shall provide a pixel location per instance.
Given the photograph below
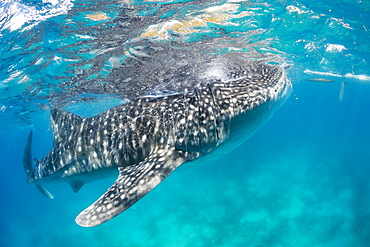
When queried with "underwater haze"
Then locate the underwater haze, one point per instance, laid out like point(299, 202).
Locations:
point(301, 180)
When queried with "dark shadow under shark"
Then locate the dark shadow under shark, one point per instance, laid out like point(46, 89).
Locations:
point(150, 136)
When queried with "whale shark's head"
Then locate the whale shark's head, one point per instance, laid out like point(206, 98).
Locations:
point(243, 87)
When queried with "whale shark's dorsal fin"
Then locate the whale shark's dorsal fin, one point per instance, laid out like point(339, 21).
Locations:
point(132, 184)
point(63, 123)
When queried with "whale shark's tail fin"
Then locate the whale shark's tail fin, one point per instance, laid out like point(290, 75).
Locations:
point(27, 156)
point(27, 163)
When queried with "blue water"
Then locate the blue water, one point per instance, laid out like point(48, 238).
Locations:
point(301, 180)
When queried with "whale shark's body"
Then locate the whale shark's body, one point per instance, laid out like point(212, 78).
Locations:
point(149, 137)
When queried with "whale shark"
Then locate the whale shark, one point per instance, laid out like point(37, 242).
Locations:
point(148, 138)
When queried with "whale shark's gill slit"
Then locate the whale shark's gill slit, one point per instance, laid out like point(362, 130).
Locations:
point(133, 183)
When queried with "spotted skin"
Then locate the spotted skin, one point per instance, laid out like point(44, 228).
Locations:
point(149, 137)
point(132, 184)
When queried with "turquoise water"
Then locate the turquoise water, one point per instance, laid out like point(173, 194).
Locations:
point(301, 180)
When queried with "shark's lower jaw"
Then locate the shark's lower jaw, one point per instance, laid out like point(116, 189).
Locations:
point(148, 138)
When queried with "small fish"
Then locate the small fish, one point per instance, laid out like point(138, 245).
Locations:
point(341, 92)
point(320, 80)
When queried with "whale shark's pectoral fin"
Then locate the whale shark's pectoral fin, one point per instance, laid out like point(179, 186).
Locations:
point(132, 184)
